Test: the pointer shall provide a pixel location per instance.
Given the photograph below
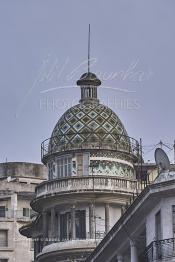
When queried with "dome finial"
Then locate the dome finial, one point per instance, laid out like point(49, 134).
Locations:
point(89, 47)
point(89, 82)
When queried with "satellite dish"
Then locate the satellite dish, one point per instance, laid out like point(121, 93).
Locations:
point(10, 179)
point(162, 160)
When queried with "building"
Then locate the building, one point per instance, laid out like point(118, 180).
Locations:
point(146, 231)
point(91, 164)
point(17, 189)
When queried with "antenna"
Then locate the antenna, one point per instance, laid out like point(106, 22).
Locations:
point(89, 42)
point(161, 144)
point(6, 166)
point(174, 151)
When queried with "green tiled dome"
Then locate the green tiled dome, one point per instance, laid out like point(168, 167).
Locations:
point(89, 122)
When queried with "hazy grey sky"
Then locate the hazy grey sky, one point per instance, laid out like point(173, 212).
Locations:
point(43, 45)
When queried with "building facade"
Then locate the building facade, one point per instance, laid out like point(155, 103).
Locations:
point(145, 233)
point(17, 188)
point(91, 176)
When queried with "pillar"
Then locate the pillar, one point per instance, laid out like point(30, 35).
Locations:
point(53, 221)
point(58, 224)
point(134, 255)
point(92, 221)
point(44, 215)
point(14, 205)
point(73, 233)
point(106, 218)
point(120, 258)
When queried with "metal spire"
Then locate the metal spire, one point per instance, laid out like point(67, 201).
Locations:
point(89, 38)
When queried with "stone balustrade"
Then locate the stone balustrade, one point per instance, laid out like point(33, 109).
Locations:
point(88, 183)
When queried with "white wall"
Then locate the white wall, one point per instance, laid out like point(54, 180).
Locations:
point(165, 206)
point(150, 224)
point(115, 214)
point(167, 222)
point(100, 217)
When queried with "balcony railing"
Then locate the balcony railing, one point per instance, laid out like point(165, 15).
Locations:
point(86, 183)
point(41, 242)
point(160, 250)
point(64, 143)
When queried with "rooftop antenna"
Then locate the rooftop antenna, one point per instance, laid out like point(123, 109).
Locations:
point(174, 151)
point(6, 166)
point(161, 144)
point(89, 42)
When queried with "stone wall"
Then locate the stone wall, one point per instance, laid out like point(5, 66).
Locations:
point(17, 188)
point(23, 169)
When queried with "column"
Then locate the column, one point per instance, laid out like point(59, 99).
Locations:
point(106, 218)
point(44, 215)
point(53, 221)
point(134, 255)
point(35, 249)
point(119, 258)
point(73, 233)
point(58, 224)
point(14, 205)
point(91, 221)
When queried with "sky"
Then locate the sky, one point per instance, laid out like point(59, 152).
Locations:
point(43, 52)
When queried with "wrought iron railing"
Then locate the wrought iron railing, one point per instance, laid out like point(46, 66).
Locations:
point(160, 250)
point(64, 143)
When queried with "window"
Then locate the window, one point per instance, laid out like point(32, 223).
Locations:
point(3, 238)
point(158, 235)
point(173, 220)
point(82, 164)
point(64, 166)
point(2, 211)
point(80, 224)
point(65, 226)
point(26, 212)
point(158, 230)
point(51, 167)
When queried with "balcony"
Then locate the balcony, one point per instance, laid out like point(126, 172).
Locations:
point(49, 246)
point(161, 250)
point(63, 143)
point(86, 184)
